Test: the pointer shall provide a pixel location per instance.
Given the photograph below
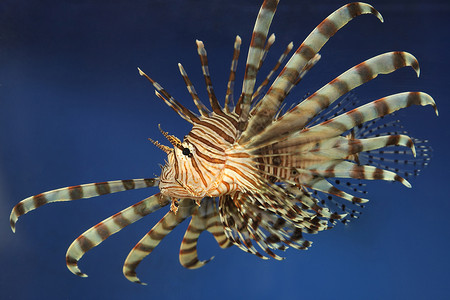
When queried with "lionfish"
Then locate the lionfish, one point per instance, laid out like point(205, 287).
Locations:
point(254, 173)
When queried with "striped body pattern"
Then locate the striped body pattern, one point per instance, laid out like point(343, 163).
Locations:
point(254, 174)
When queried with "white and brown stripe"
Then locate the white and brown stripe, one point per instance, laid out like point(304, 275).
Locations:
point(298, 117)
point(170, 101)
point(274, 69)
point(205, 217)
point(299, 60)
point(229, 98)
point(204, 111)
point(267, 47)
point(100, 232)
point(152, 239)
point(254, 57)
point(77, 192)
point(362, 114)
point(209, 87)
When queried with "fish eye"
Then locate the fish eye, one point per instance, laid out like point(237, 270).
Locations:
point(186, 151)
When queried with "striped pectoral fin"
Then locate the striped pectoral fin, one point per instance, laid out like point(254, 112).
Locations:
point(313, 202)
point(382, 64)
point(297, 241)
point(346, 169)
point(393, 159)
point(209, 212)
point(235, 226)
point(367, 112)
point(323, 185)
point(77, 192)
point(152, 239)
point(294, 238)
point(298, 117)
point(262, 240)
point(100, 232)
point(246, 241)
point(269, 222)
point(346, 147)
point(238, 234)
point(253, 222)
point(389, 140)
point(305, 53)
point(188, 250)
point(291, 236)
point(216, 229)
point(281, 230)
point(398, 161)
point(344, 104)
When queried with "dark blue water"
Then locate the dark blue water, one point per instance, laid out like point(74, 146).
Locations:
point(73, 110)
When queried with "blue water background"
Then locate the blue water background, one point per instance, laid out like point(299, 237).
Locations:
point(74, 110)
